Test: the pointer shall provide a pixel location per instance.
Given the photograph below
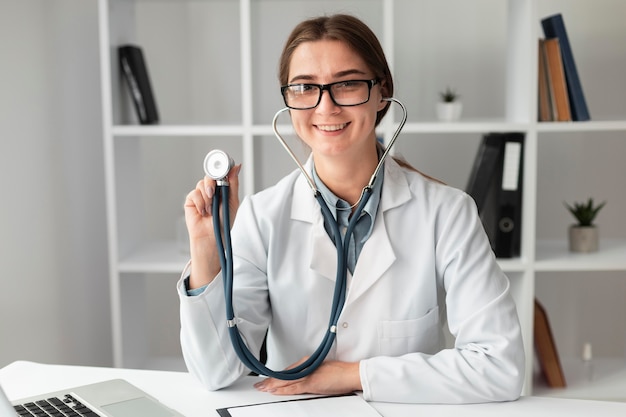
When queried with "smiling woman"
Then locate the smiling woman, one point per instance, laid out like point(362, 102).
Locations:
point(339, 130)
point(418, 257)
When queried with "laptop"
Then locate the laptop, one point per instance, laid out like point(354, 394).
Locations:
point(112, 398)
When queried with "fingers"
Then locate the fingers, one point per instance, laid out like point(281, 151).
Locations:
point(283, 387)
point(207, 188)
point(279, 386)
point(233, 180)
point(202, 196)
point(233, 176)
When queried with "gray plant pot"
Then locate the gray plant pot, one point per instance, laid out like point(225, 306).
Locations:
point(583, 238)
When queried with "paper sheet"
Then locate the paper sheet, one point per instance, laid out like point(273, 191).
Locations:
point(342, 406)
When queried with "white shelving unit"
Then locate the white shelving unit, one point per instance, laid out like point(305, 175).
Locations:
point(213, 69)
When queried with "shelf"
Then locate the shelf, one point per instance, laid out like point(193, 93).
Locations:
point(464, 126)
point(590, 126)
point(159, 257)
point(600, 379)
point(177, 130)
point(512, 265)
point(554, 255)
point(229, 102)
point(197, 130)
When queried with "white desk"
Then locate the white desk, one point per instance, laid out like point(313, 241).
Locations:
point(180, 391)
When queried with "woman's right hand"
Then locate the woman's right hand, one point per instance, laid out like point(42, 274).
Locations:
point(205, 263)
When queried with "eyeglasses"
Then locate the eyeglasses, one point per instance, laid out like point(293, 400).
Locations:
point(342, 93)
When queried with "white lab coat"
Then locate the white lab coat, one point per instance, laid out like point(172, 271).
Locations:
point(427, 259)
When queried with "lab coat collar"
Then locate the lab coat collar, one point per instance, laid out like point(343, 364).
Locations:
point(395, 192)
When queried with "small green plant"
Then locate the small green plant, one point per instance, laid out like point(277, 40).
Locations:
point(585, 213)
point(448, 95)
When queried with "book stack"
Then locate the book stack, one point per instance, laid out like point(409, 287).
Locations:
point(561, 96)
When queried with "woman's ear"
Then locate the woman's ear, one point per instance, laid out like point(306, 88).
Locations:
point(383, 95)
point(382, 104)
point(383, 89)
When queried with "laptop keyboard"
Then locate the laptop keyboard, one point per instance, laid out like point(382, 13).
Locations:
point(67, 406)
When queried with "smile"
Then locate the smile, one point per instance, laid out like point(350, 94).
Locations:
point(332, 128)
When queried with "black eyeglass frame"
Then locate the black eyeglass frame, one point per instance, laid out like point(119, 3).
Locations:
point(327, 87)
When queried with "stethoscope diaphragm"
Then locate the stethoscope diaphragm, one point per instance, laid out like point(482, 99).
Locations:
point(217, 164)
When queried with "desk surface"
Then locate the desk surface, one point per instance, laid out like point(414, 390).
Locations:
point(180, 391)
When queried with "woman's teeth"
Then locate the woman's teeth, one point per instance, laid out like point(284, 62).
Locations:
point(332, 128)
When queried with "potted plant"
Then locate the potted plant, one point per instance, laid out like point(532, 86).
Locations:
point(583, 236)
point(449, 107)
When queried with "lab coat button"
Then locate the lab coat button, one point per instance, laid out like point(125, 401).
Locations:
point(344, 324)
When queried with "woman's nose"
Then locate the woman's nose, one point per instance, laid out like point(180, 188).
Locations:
point(326, 103)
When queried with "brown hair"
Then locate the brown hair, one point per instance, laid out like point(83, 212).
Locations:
point(349, 29)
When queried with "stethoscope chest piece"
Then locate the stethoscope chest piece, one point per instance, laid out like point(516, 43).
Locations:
point(217, 164)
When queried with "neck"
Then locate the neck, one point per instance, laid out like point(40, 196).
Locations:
point(346, 177)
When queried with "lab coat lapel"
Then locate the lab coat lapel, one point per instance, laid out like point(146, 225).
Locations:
point(324, 254)
point(306, 209)
point(377, 255)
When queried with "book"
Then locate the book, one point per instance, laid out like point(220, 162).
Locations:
point(554, 27)
point(558, 84)
point(135, 72)
point(545, 347)
point(545, 94)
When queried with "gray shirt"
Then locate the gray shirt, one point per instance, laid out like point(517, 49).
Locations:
point(342, 212)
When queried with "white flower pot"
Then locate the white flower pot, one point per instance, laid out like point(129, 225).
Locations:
point(449, 112)
point(583, 239)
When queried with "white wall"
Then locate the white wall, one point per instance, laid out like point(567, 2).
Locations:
point(54, 299)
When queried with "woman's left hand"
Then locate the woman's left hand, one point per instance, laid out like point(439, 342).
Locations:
point(331, 378)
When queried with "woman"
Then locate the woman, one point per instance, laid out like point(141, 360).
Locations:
point(419, 256)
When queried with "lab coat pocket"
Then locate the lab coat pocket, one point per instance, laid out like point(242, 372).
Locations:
point(400, 337)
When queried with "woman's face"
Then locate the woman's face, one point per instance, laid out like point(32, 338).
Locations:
point(328, 129)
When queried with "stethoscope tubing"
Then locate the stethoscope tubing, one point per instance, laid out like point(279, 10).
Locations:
point(224, 246)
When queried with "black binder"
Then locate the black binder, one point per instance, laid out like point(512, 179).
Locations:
point(496, 185)
point(135, 73)
point(509, 220)
point(484, 170)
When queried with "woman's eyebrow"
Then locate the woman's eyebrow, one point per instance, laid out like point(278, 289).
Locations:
point(349, 72)
point(301, 78)
point(340, 74)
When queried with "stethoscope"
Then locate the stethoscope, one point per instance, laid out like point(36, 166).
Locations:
point(217, 164)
